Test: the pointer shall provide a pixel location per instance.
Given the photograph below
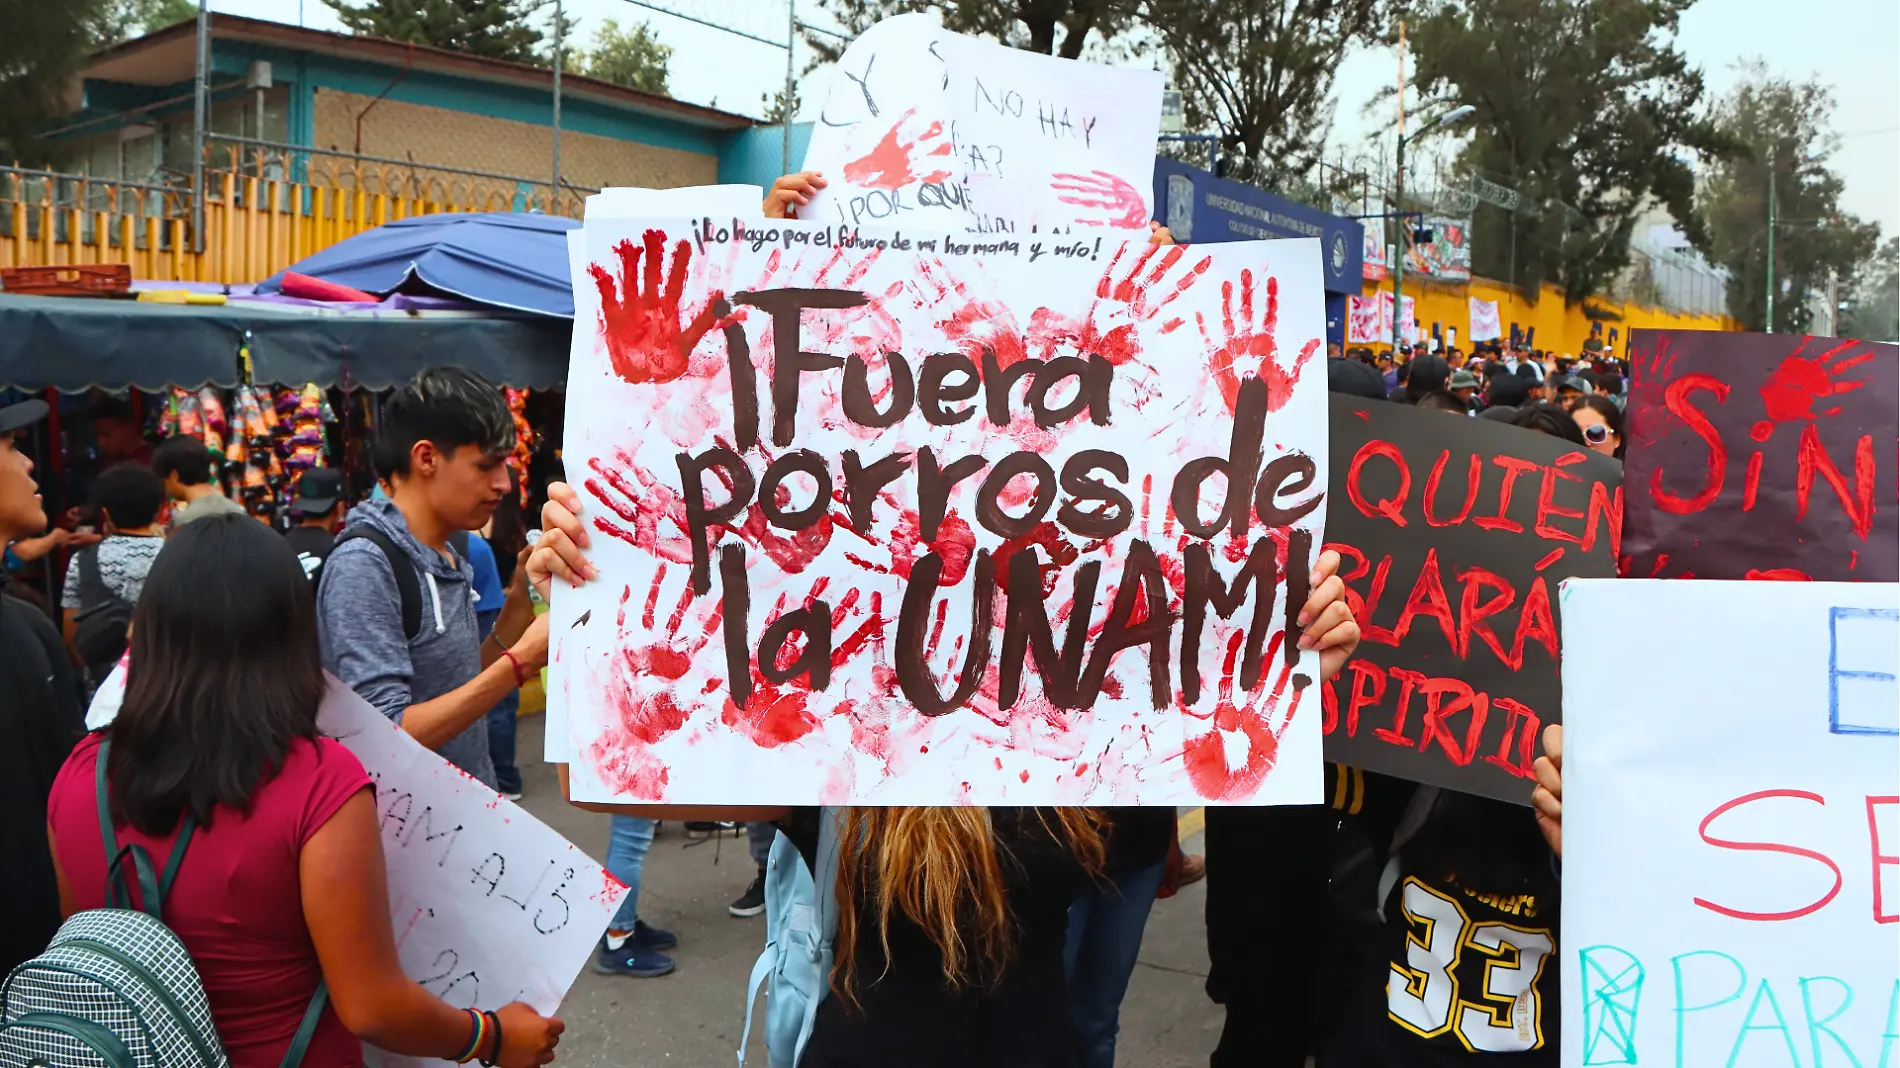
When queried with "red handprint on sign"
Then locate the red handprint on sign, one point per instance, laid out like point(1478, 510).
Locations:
point(641, 508)
point(640, 317)
point(1205, 754)
point(1122, 205)
point(1121, 306)
point(1799, 382)
point(1250, 350)
point(888, 164)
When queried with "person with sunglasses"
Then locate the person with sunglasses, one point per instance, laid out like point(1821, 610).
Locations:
point(1602, 424)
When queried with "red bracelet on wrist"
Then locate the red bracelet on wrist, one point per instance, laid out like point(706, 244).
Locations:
point(521, 673)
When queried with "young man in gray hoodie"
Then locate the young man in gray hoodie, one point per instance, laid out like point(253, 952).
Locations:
point(440, 449)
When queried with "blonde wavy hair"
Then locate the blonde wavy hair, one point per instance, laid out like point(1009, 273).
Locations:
point(942, 869)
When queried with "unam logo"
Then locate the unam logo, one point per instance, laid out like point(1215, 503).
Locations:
point(1181, 207)
point(1339, 252)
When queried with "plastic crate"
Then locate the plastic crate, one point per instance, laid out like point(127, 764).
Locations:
point(68, 280)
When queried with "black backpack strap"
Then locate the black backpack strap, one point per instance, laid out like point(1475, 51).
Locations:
point(408, 586)
point(92, 585)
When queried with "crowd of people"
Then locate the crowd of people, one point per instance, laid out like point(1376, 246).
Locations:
point(1396, 925)
point(1580, 399)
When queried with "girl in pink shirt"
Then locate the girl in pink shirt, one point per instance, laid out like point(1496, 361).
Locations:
point(282, 883)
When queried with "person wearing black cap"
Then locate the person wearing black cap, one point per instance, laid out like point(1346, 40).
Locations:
point(40, 718)
point(318, 511)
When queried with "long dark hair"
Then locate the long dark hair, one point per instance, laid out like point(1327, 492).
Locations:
point(225, 674)
point(1547, 418)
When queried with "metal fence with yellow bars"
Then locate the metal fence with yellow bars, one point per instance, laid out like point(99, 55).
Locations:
point(267, 205)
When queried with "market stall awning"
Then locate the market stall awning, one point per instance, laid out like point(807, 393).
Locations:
point(510, 260)
point(74, 344)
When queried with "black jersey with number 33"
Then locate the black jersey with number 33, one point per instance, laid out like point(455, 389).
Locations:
point(1471, 969)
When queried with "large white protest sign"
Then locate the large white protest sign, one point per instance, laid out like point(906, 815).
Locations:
point(924, 127)
point(739, 201)
point(489, 905)
point(1731, 823)
point(876, 515)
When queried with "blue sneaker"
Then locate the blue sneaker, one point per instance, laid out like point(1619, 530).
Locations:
point(632, 959)
point(652, 937)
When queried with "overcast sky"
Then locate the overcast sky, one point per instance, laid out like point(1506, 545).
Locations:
point(1850, 44)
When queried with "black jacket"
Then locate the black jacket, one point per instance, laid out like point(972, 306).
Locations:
point(40, 720)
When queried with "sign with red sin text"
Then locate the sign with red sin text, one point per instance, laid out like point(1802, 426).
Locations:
point(925, 517)
point(1731, 831)
point(1455, 533)
point(1762, 456)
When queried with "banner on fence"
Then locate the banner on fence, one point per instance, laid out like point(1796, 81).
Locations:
point(1447, 256)
point(1455, 534)
point(876, 516)
point(924, 128)
point(1731, 824)
point(1762, 456)
point(1367, 320)
point(1485, 324)
point(1372, 258)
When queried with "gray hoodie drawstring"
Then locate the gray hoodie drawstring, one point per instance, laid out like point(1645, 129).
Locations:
point(435, 597)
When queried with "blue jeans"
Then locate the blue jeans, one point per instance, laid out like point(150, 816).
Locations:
point(627, 847)
point(501, 723)
point(501, 742)
point(1105, 926)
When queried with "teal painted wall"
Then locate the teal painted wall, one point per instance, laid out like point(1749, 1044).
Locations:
point(302, 73)
point(756, 156)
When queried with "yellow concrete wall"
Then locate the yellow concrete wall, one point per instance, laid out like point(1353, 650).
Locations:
point(1560, 328)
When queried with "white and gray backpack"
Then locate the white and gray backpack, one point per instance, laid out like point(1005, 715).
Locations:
point(115, 988)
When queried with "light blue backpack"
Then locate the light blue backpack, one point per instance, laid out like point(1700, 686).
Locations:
point(801, 922)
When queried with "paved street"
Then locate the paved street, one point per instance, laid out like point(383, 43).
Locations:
point(694, 1016)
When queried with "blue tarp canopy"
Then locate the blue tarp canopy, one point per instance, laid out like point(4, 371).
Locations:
point(502, 259)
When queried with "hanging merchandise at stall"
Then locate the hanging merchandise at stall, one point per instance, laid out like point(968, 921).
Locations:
point(277, 434)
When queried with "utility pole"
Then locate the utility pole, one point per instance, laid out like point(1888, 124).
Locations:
point(1769, 325)
point(1398, 205)
point(199, 105)
point(791, 86)
point(554, 187)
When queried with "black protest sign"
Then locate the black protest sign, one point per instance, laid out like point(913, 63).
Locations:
point(1762, 456)
point(1455, 534)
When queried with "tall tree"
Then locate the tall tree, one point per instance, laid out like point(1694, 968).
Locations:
point(497, 29)
point(122, 20)
point(632, 57)
point(1785, 128)
point(1054, 27)
point(1587, 109)
point(40, 53)
point(1259, 74)
point(1872, 311)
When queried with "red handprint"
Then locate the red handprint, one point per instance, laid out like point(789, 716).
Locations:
point(1122, 306)
point(1252, 350)
point(1799, 382)
point(1205, 755)
point(888, 164)
point(641, 508)
point(642, 695)
point(640, 323)
point(1122, 205)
